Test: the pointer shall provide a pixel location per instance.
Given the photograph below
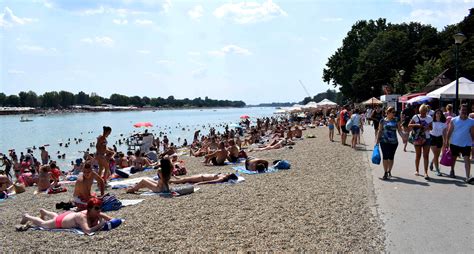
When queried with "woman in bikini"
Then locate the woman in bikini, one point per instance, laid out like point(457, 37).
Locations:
point(205, 178)
point(88, 221)
point(161, 185)
point(104, 153)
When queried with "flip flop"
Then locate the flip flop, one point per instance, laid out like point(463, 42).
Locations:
point(22, 227)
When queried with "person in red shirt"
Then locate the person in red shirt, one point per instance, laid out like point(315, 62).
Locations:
point(55, 174)
point(344, 116)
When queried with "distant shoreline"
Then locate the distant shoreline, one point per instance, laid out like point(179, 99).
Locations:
point(20, 111)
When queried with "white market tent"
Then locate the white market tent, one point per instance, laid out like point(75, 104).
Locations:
point(466, 90)
point(327, 103)
point(311, 105)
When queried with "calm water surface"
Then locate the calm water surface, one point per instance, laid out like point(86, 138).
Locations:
point(55, 128)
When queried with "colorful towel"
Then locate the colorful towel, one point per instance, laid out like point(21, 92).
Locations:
point(243, 170)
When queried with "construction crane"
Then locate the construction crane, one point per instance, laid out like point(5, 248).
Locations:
point(306, 90)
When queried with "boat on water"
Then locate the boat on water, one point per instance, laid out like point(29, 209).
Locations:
point(25, 119)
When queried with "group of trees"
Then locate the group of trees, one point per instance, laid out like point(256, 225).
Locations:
point(374, 52)
point(64, 99)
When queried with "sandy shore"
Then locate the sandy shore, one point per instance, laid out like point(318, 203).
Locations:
point(321, 204)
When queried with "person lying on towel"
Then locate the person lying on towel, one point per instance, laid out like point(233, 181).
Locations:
point(205, 178)
point(88, 221)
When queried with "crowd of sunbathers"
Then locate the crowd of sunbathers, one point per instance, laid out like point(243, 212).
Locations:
point(216, 148)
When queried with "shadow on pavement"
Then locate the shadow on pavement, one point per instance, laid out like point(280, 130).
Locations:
point(405, 180)
point(459, 183)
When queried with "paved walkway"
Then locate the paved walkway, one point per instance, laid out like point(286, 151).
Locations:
point(422, 216)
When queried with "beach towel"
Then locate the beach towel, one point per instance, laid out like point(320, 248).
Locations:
point(173, 193)
point(240, 160)
point(130, 202)
point(78, 231)
point(239, 180)
point(243, 170)
point(121, 184)
point(68, 230)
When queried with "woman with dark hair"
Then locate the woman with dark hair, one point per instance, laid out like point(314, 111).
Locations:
point(162, 185)
point(387, 137)
point(205, 178)
point(437, 136)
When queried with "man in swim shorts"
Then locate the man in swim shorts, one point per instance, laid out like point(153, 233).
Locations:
point(82, 189)
point(233, 151)
point(88, 221)
point(256, 164)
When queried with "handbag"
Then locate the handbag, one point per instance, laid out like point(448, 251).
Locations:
point(376, 155)
point(417, 137)
point(349, 124)
point(447, 158)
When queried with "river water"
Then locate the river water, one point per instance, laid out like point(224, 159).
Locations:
point(58, 128)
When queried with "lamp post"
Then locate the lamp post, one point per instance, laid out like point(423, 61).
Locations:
point(372, 88)
point(458, 39)
point(401, 72)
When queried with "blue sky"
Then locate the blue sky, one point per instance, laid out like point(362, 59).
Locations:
point(255, 51)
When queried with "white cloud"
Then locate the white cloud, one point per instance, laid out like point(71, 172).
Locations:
point(144, 51)
point(428, 16)
point(199, 73)
point(31, 48)
point(8, 19)
point(100, 40)
point(165, 62)
point(323, 38)
point(196, 13)
point(120, 21)
point(328, 20)
point(119, 7)
point(249, 12)
point(230, 49)
point(15, 72)
point(143, 22)
point(194, 53)
point(166, 6)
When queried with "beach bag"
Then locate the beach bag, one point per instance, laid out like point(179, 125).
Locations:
point(349, 124)
point(283, 164)
point(417, 137)
point(110, 203)
point(376, 155)
point(447, 158)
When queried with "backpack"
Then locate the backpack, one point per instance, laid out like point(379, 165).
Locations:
point(110, 203)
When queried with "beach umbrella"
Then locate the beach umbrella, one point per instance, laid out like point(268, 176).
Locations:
point(143, 124)
point(244, 117)
point(419, 99)
point(372, 101)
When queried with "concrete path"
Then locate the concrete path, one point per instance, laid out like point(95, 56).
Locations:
point(422, 216)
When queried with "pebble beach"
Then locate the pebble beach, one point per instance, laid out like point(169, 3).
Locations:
point(323, 203)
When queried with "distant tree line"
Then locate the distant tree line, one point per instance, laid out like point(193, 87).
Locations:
point(375, 53)
point(64, 99)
